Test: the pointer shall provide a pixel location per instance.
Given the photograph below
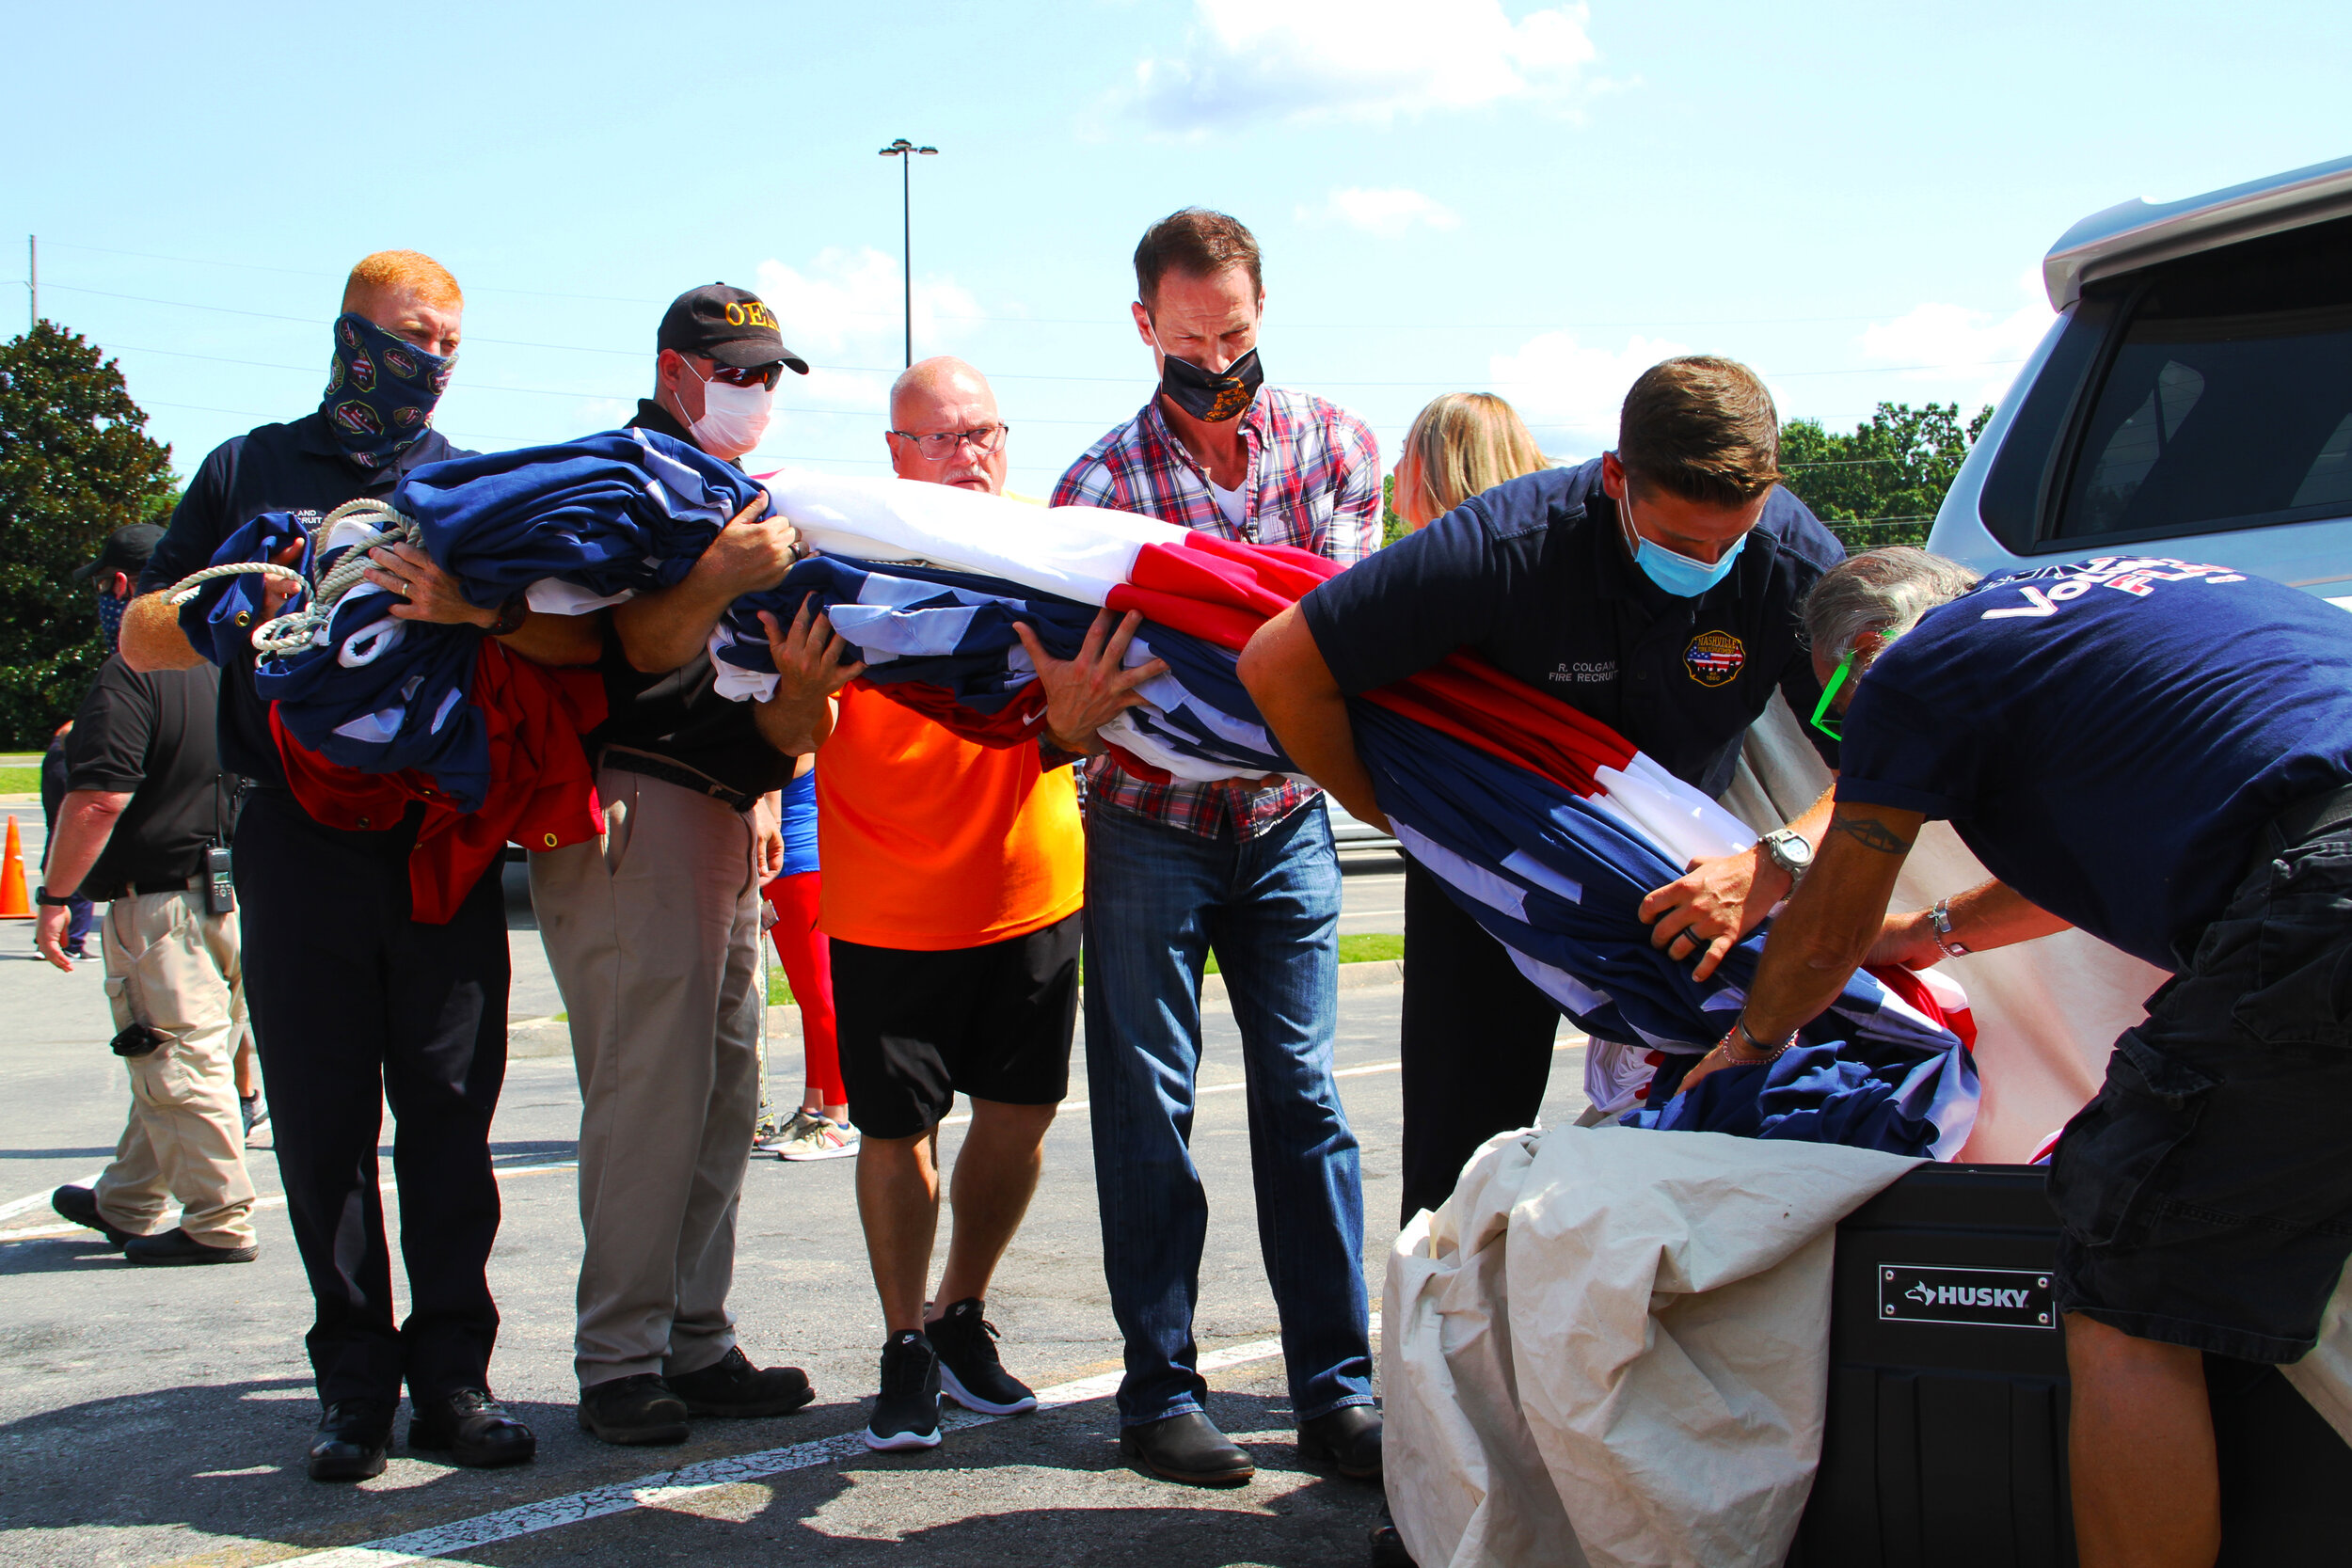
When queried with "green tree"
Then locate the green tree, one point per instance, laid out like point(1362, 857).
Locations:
point(76, 464)
point(1882, 485)
point(1391, 526)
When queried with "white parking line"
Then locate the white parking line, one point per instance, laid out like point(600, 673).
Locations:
point(36, 1200)
point(672, 1486)
point(272, 1200)
point(277, 1201)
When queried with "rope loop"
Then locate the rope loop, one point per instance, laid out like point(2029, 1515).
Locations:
point(299, 629)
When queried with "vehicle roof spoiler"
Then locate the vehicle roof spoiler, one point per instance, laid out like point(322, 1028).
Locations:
point(2138, 233)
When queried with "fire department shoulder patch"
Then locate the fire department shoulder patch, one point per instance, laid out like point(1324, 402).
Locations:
point(1714, 657)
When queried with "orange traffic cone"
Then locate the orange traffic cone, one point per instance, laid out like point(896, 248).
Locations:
point(15, 902)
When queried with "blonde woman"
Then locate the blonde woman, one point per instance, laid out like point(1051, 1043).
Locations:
point(1462, 443)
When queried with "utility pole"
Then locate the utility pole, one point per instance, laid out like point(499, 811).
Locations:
point(32, 275)
point(906, 153)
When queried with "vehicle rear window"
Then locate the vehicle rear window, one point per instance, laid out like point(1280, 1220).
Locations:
point(2226, 400)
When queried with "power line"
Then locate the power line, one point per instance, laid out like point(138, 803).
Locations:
point(787, 408)
point(1011, 375)
point(1109, 319)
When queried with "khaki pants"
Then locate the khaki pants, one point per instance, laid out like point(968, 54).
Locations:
point(174, 967)
point(653, 933)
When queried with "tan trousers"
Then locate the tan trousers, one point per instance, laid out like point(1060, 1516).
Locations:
point(653, 933)
point(174, 967)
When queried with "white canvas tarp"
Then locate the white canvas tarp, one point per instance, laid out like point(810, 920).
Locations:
point(1611, 1347)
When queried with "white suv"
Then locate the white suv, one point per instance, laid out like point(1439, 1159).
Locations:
point(2193, 400)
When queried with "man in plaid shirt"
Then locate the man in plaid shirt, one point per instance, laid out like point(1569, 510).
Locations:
point(1175, 869)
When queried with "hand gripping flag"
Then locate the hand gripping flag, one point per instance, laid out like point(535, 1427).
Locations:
point(572, 526)
point(1542, 823)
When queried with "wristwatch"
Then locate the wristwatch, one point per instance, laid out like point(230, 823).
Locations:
point(1941, 918)
point(510, 618)
point(49, 900)
point(1789, 851)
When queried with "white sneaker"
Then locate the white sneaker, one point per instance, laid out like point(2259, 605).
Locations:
point(812, 1137)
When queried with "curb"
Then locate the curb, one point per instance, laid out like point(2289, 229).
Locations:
point(528, 1037)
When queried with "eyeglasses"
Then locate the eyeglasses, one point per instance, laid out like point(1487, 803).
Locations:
point(987, 440)
point(749, 375)
point(1834, 728)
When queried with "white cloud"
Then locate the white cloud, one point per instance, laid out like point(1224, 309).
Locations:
point(846, 314)
point(1956, 347)
point(1358, 59)
point(1568, 393)
point(1388, 211)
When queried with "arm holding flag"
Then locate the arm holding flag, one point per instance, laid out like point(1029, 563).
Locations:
point(1829, 926)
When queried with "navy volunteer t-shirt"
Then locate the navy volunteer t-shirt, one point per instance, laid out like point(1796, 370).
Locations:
point(1533, 577)
point(2107, 735)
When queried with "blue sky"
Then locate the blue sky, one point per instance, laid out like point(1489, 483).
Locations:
point(1452, 193)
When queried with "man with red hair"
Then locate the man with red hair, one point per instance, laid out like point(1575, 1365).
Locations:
point(353, 1001)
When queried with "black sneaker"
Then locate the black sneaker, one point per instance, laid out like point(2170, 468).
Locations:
point(969, 1372)
point(731, 1386)
point(906, 1411)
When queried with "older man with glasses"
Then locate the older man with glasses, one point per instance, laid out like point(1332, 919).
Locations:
point(954, 872)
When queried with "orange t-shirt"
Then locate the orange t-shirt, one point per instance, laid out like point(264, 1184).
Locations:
point(931, 842)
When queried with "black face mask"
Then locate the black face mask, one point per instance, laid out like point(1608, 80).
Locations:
point(1213, 398)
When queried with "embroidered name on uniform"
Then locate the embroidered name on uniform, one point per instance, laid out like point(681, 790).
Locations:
point(1585, 672)
point(1714, 657)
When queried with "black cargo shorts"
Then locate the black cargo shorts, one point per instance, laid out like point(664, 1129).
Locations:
point(2206, 1191)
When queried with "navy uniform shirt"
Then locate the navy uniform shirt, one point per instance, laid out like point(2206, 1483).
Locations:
point(680, 715)
point(2108, 736)
point(295, 467)
point(1534, 576)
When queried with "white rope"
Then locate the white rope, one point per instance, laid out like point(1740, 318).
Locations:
point(299, 629)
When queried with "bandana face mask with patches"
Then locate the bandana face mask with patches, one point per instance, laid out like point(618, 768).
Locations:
point(381, 392)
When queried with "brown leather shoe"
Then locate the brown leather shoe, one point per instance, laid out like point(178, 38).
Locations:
point(1187, 1449)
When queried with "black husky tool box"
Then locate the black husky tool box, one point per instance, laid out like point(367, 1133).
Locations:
point(1946, 1439)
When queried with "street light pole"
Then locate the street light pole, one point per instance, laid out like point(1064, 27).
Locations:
point(906, 153)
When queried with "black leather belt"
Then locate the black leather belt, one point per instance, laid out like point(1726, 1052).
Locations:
point(125, 890)
point(2306, 819)
point(630, 760)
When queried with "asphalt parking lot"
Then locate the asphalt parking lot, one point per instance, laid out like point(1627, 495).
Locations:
point(155, 1416)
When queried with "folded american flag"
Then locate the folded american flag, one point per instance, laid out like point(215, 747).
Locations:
point(1544, 824)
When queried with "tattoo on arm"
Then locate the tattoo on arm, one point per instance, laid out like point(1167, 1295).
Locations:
point(1870, 833)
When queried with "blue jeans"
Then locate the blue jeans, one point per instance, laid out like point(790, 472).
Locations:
point(1158, 898)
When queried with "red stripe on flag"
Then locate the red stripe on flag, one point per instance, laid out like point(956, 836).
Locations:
point(1472, 701)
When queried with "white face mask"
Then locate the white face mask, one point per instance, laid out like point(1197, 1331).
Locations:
point(734, 419)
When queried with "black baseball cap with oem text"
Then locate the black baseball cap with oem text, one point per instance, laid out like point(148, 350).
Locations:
point(729, 324)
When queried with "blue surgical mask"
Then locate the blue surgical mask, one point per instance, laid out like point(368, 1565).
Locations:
point(1678, 574)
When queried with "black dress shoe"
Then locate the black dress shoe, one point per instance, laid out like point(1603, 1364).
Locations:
point(352, 1437)
point(1347, 1438)
point(1186, 1448)
point(1388, 1550)
point(635, 1409)
point(176, 1246)
point(731, 1386)
point(80, 1205)
point(473, 1427)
